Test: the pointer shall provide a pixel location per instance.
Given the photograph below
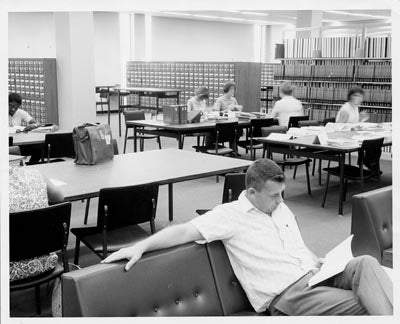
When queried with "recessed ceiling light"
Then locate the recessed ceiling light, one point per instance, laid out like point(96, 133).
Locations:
point(237, 11)
point(330, 20)
point(177, 13)
point(206, 16)
point(338, 12)
point(254, 13)
point(232, 18)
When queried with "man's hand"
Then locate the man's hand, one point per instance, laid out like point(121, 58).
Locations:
point(318, 264)
point(132, 253)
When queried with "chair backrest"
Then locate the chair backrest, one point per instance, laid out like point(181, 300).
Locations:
point(127, 206)
point(256, 125)
point(40, 231)
point(305, 123)
point(265, 131)
point(371, 153)
point(61, 145)
point(134, 115)
point(225, 131)
point(234, 184)
point(10, 141)
point(14, 150)
point(329, 120)
point(372, 222)
point(294, 120)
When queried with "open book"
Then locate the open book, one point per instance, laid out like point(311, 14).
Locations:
point(335, 262)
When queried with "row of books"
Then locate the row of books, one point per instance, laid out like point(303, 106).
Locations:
point(180, 67)
point(322, 112)
point(337, 93)
point(30, 66)
point(343, 47)
point(340, 71)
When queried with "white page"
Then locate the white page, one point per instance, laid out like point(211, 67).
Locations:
point(57, 183)
point(279, 136)
point(335, 262)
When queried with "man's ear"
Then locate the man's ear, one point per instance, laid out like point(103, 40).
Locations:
point(251, 191)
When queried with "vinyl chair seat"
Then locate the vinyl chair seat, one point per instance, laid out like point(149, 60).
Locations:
point(294, 161)
point(256, 146)
point(116, 239)
point(350, 172)
point(222, 150)
point(37, 280)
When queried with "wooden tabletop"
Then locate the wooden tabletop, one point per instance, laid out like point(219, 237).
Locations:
point(31, 137)
point(307, 141)
point(159, 166)
point(202, 125)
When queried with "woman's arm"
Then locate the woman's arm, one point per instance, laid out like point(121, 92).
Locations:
point(168, 237)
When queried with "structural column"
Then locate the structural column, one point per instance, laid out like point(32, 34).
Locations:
point(74, 33)
point(309, 19)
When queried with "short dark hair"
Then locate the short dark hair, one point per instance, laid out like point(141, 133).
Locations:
point(14, 97)
point(353, 91)
point(261, 171)
point(228, 85)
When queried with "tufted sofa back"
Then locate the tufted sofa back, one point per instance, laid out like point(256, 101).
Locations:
point(172, 282)
point(371, 224)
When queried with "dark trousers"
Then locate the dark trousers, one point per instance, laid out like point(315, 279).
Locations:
point(362, 288)
point(32, 150)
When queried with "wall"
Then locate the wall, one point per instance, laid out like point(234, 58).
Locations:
point(31, 35)
point(175, 39)
point(274, 35)
point(106, 48)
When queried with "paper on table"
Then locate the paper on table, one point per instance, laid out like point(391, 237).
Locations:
point(335, 262)
point(13, 130)
point(57, 183)
point(279, 136)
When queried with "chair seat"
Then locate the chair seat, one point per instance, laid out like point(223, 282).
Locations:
point(294, 161)
point(256, 146)
point(221, 151)
point(387, 258)
point(143, 136)
point(350, 172)
point(116, 239)
point(37, 280)
point(196, 134)
point(202, 211)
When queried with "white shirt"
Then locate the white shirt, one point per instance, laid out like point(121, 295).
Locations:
point(348, 114)
point(223, 103)
point(193, 104)
point(267, 253)
point(19, 117)
point(285, 108)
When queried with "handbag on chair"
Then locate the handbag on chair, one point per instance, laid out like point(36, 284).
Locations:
point(92, 143)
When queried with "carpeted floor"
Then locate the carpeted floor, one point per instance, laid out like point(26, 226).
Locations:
point(321, 228)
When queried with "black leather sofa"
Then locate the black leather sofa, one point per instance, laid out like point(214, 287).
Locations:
point(187, 280)
point(372, 223)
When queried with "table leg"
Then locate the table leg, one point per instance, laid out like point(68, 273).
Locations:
point(342, 161)
point(156, 106)
point(134, 139)
point(119, 120)
point(180, 141)
point(170, 202)
point(177, 99)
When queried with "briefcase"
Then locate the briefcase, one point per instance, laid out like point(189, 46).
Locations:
point(92, 143)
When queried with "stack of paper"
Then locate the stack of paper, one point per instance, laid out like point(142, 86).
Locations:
point(342, 142)
point(279, 137)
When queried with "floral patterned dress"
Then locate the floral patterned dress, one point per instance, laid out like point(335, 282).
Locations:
point(27, 191)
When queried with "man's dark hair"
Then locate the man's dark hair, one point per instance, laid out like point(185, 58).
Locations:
point(228, 85)
point(354, 91)
point(261, 171)
point(14, 97)
point(286, 88)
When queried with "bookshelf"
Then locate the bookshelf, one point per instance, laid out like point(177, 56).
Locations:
point(191, 75)
point(322, 84)
point(36, 81)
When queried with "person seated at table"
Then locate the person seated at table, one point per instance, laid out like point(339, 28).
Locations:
point(198, 101)
point(29, 189)
point(269, 256)
point(349, 112)
point(227, 102)
point(287, 106)
point(17, 116)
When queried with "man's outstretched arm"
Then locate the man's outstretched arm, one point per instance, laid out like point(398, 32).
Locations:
point(171, 236)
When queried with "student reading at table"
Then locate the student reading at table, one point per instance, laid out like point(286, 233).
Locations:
point(227, 102)
point(198, 101)
point(287, 106)
point(17, 116)
point(349, 112)
point(269, 257)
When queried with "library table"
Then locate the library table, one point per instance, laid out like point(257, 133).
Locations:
point(165, 167)
point(177, 131)
point(158, 93)
point(22, 138)
point(291, 147)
